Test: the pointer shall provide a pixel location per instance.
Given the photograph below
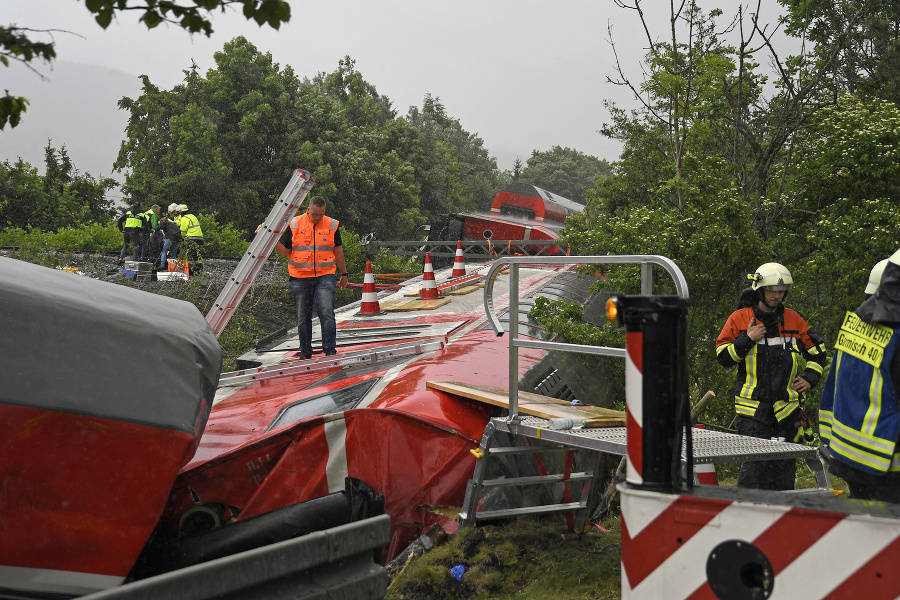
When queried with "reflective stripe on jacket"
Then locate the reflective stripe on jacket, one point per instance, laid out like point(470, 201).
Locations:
point(312, 247)
point(133, 221)
point(766, 368)
point(859, 418)
point(190, 226)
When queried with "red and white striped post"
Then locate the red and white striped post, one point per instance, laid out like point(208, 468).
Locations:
point(429, 285)
point(656, 403)
point(459, 265)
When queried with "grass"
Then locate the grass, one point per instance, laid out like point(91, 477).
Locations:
point(529, 558)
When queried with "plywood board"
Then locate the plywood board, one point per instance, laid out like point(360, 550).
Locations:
point(468, 289)
point(533, 404)
point(411, 305)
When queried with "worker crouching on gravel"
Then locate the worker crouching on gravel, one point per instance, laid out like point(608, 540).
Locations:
point(770, 345)
point(859, 416)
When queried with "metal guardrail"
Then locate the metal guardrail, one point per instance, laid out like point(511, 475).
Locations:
point(645, 260)
point(335, 563)
point(474, 249)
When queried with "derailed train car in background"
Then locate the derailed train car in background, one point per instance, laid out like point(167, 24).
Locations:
point(519, 212)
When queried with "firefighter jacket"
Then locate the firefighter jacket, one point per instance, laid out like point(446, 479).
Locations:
point(766, 368)
point(312, 247)
point(190, 226)
point(859, 418)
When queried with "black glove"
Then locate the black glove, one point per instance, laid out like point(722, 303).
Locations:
point(804, 433)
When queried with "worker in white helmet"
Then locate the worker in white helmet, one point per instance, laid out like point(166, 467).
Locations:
point(859, 415)
point(764, 340)
point(192, 234)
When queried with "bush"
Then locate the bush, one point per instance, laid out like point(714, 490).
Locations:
point(221, 240)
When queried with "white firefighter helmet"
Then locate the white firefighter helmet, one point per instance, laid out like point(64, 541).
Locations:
point(182, 208)
point(875, 276)
point(773, 276)
point(173, 208)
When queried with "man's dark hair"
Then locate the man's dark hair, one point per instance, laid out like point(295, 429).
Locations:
point(317, 201)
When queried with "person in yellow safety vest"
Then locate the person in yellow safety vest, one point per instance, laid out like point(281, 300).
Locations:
point(778, 357)
point(315, 253)
point(859, 415)
point(192, 236)
point(151, 220)
point(131, 224)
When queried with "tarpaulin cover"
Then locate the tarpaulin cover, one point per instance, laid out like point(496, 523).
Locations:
point(74, 344)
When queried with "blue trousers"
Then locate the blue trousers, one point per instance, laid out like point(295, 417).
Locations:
point(320, 290)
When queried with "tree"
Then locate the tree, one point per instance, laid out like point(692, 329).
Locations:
point(565, 171)
point(16, 43)
point(454, 170)
point(60, 198)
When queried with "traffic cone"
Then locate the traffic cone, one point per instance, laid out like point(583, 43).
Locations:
point(429, 285)
point(369, 304)
point(459, 266)
point(705, 473)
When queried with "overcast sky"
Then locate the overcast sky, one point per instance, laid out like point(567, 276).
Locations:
point(523, 75)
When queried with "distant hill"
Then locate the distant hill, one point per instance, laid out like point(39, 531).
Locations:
point(76, 108)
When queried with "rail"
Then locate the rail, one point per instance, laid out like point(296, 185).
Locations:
point(646, 261)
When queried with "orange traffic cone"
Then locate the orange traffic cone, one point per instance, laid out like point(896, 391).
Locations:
point(429, 285)
point(369, 304)
point(459, 266)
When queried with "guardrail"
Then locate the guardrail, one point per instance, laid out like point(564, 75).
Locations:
point(473, 249)
point(334, 563)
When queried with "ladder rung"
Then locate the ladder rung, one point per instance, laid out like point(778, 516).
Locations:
point(528, 510)
point(535, 480)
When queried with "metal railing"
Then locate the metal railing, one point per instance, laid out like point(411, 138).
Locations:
point(646, 261)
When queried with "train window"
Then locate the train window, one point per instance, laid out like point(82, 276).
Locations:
point(336, 401)
point(517, 211)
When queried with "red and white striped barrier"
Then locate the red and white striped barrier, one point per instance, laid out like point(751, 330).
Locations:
point(459, 265)
point(429, 285)
point(369, 304)
point(676, 547)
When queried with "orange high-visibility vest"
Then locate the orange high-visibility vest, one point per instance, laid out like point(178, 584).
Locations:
point(312, 247)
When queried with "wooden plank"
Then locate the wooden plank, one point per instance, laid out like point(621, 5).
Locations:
point(533, 404)
point(411, 305)
point(464, 290)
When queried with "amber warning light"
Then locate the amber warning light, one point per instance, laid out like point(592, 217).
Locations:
point(612, 309)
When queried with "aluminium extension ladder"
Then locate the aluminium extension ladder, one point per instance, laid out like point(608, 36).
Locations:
point(259, 250)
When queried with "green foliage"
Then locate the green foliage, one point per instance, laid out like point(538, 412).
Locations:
point(228, 142)
point(221, 240)
point(16, 43)
point(238, 338)
point(60, 198)
point(90, 237)
point(564, 171)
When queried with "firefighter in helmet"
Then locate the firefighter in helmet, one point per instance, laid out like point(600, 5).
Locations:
point(778, 358)
point(859, 416)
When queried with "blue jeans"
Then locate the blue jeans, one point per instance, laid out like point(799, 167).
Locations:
point(170, 247)
point(304, 291)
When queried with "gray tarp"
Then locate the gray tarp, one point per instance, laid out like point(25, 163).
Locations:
point(74, 344)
